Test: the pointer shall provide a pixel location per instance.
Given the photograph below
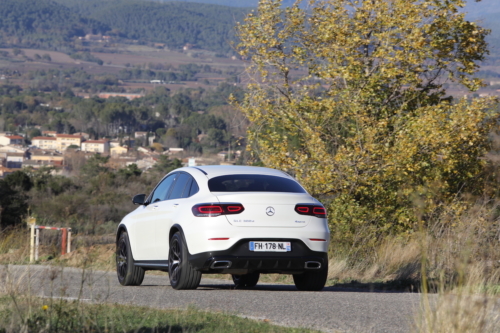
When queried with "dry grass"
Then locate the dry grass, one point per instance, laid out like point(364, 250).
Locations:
point(454, 247)
point(14, 246)
point(456, 263)
point(459, 314)
point(100, 257)
point(394, 259)
point(94, 252)
point(473, 305)
point(463, 267)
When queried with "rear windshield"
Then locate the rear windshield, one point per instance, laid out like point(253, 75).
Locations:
point(253, 183)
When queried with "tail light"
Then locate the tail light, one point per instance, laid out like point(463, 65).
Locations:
point(212, 210)
point(310, 209)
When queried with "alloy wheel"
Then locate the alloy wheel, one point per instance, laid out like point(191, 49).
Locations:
point(175, 260)
point(121, 259)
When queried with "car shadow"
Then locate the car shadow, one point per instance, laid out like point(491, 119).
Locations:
point(388, 287)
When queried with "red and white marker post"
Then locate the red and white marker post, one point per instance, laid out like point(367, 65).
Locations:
point(35, 238)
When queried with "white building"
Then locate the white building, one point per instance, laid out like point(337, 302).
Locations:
point(84, 135)
point(49, 133)
point(96, 146)
point(11, 140)
point(175, 150)
point(15, 160)
point(12, 149)
point(66, 140)
point(114, 143)
point(45, 142)
point(118, 150)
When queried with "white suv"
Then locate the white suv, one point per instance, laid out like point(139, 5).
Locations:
point(235, 220)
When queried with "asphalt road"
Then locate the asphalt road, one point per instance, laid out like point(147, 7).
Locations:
point(331, 310)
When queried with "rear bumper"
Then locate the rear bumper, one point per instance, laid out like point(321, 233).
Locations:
point(238, 259)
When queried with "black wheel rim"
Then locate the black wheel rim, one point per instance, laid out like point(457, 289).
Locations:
point(174, 261)
point(121, 259)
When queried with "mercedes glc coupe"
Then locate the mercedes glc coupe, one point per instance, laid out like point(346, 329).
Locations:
point(236, 220)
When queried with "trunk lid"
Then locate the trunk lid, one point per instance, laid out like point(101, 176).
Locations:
point(267, 209)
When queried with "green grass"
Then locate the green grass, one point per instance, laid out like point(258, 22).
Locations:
point(54, 315)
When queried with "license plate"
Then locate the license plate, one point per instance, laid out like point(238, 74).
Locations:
point(271, 246)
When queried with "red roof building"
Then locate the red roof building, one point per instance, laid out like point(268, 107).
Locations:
point(11, 140)
point(96, 146)
point(45, 142)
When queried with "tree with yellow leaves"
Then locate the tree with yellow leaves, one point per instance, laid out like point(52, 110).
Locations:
point(348, 96)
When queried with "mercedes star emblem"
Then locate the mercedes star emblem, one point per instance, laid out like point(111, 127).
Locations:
point(270, 211)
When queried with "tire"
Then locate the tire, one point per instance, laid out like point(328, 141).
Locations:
point(128, 274)
point(180, 272)
point(313, 280)
point(246, 280)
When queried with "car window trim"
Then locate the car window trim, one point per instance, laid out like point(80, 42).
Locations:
point(192, 183)
point(187, 188)
point(148, 201)
point(175, 182)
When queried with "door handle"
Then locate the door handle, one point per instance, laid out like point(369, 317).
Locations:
point(176, 205)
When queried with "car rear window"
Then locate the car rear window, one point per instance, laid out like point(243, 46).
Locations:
point(253, 183)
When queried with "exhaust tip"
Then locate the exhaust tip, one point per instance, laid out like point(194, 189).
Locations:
point(312, 265)
point(221, 264)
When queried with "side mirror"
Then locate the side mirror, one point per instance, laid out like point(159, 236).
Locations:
point(139, 199)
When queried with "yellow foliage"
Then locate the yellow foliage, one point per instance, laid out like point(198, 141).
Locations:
point(367, 127)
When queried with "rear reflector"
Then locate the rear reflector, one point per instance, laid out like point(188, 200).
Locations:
point(310, 209)
point(317, 239)
point(212, 210)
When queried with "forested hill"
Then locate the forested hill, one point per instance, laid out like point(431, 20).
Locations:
point(487, 12)
point(54, 23)
point(35, 22)
point(234, 3)
point(204, 23)
point(473, 7)
point(207, 26)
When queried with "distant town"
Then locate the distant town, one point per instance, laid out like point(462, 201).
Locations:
point(52, 149)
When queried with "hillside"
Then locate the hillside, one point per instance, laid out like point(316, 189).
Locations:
point(42, 22)
point(473, 7)
point(206, 26)
point(233, 3)
point(204, 23)
point(53, 24)
point(485, 11)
